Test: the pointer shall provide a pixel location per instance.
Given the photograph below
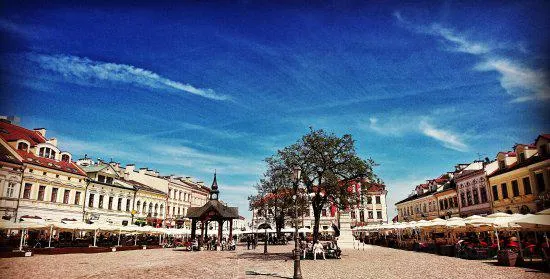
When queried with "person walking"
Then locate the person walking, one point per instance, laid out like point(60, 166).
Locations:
point(248, 242)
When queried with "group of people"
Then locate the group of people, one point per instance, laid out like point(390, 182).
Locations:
point(213, 243)
point(318, 248)
point(251, 242)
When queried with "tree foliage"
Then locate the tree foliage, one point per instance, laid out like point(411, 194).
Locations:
point(329, 164)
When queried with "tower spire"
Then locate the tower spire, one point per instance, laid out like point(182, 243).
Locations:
point(214, 192)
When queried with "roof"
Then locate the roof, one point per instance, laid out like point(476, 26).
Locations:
point(94, 168)
point(529, 161)
point(10, 132)
point(416, 196)
point(143, 187)
point(216, 207)
point(8, 155)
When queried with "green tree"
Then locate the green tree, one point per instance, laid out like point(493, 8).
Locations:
point(329, 164)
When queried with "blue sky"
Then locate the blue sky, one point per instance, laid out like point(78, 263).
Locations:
point(201, 86)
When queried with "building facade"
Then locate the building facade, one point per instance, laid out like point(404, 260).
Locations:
point(52, 185)
point(11, 169)
point(473, 189)
point(107, 200)
point(521, 181)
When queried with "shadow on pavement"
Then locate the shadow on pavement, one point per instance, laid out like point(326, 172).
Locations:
point(266, 257)
point(251, 272)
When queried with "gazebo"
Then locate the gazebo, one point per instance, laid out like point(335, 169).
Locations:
point(212, 211)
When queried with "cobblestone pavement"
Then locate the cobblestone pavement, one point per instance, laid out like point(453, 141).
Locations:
point(373, 262)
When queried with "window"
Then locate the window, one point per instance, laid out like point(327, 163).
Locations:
point(110, 204)
point(119, 204)
point(352, 214)
point(77, 198)
point(91, 200)
point(515, 188)
point(324, 212)
point(180, 196)
point(138, 206)
point(370, 215)
point(483, 193)
point(469, 197)
point(150, 208)
point(378, 200)
point(170, 193)
point(41, 191)
point(501, 165)
point(179, 210)
point(455, 200)
point(476, 196)
point(46, 152)
point(539, 178)
point(54, 195)
point(101, 178)
point(127, 205)
point(144, 209)
point(463, 199)
point(495, 192)
point(361, 216)
point(379, 214)
point(109, 180)
point(504, 190)
point(369, 199)
point(65, 158)
point(100, 201)
point(441, 204)
point(446, 204)
point(22, 146)
point(527, 185)
point(156, 209)
point(66, 196)
point(10, 190)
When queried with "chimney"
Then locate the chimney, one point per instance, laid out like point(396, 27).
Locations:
point(53, 141)
point(130, 168)
point(142, 170)
point(42, 131)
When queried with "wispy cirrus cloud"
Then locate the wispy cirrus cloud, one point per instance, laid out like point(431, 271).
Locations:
point(516, 79)
point(446, 137)
point(397, 126)
point(82, 69)
point(521, 82)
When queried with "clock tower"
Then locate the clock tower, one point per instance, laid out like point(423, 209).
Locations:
point(214, 193)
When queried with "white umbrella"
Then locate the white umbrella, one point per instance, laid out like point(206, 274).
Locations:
point(304, 230)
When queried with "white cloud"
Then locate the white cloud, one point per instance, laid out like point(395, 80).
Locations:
point(523, 83)
point(449, 139)
point(86, 70)
point(397, 126)
point(518, 81)
point(392, 126)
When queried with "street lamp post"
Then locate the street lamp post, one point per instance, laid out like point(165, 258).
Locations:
point(296, 179)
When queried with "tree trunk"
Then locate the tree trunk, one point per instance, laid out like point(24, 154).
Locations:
point(317, 220)
point(279, 224)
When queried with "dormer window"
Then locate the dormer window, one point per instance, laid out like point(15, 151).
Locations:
point(501, 164)
point(65, 158)
point(46, 152)
point(22, 146)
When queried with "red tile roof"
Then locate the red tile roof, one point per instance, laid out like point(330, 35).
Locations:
point(10, 132)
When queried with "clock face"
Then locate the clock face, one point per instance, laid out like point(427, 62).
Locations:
point(214, 196)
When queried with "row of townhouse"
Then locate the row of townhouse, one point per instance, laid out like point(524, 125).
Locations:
point(515, 182)
point(371, 209)
point(38, 180)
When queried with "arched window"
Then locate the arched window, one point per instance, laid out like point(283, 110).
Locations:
point(138, 205)
point(156, 209)
point(46, 152)
point(65, 158)
point(22, 146)
point(161, 209)
point(144, 208)
point(150, 207)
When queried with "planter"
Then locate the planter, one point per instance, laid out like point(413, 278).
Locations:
point(507, 258)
